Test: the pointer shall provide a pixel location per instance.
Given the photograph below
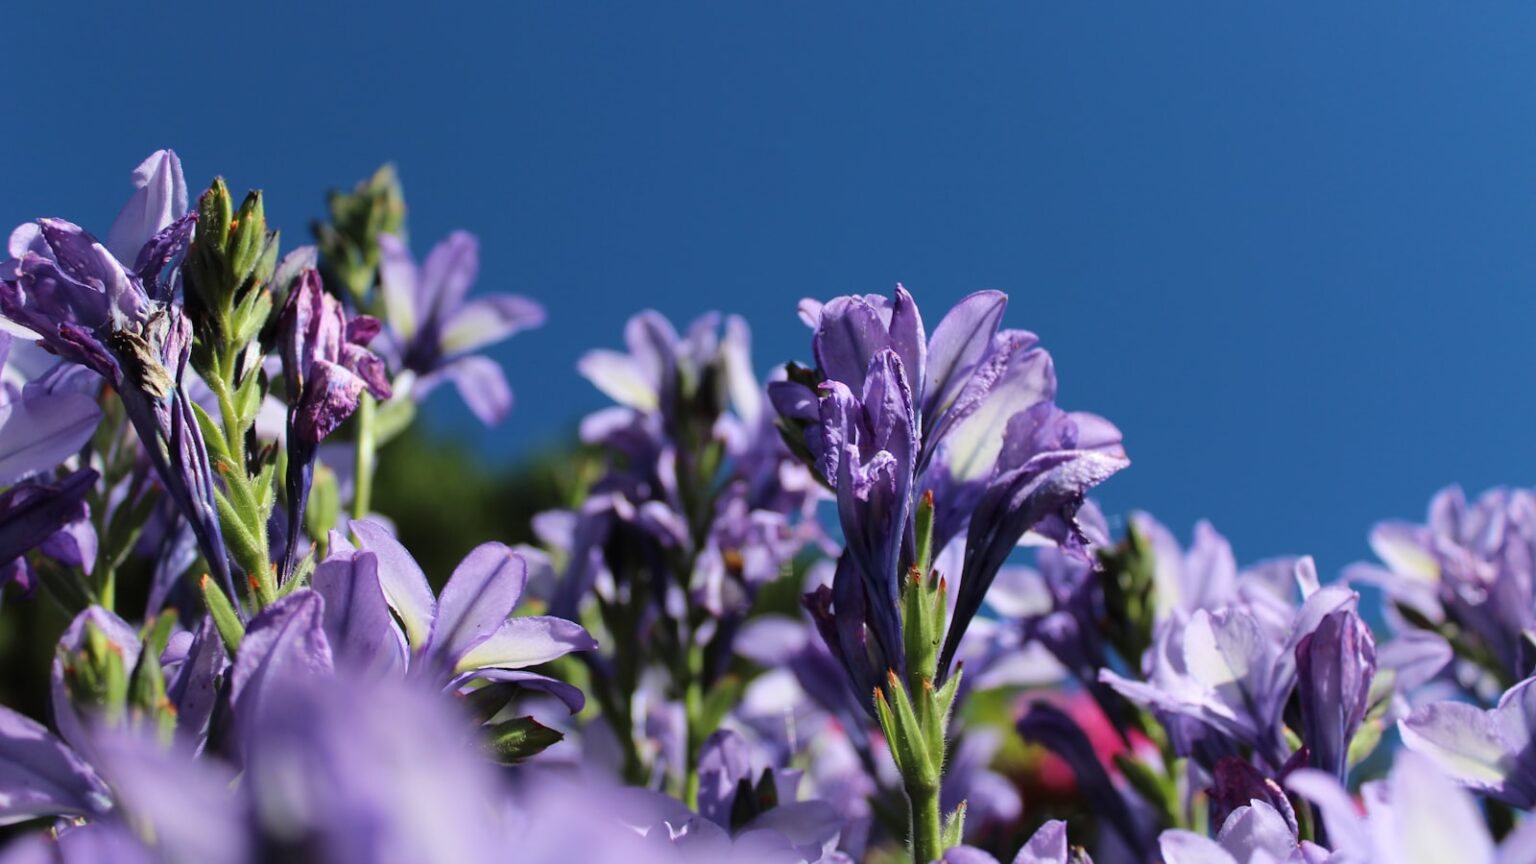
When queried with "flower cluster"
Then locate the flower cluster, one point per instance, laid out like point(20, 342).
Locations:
point(857, 609)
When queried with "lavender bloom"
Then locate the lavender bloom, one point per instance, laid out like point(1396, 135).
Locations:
point(1206, 574)
point(327, 365)
point(45, 420)
point(90, 308)
point(753, 529)
point(462, 636)
point(1415, 816)
point(1253, 834)
point(1048, 462)
point(1335, 665)
point(43, 776)
point(797, 833)
point(871, 448)
point(323, 781)
point(1231, 670)
point(968, 416)
point(34, 514)
point(1047, 846)
point(433, 331)
point(1492, 752)
point(1471, 566)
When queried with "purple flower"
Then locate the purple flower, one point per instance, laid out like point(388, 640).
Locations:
point(1047, 846)
point(1415, 816)
point(434, 331)
point(1335, 665)
point(326, 360)
point(336, 769)
point(464, 635)
point(967, 416)
point(1231, 670)
point(869, 456)
point(1492, 752)
point(46, 419)
point(93, 308)
point(1471, 566)
point(35, 513)
point(1255, 833)
point(327, 366)
point(43, 776)
point(1048, 461)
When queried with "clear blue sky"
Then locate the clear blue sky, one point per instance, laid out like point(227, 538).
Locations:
point(1289, 248)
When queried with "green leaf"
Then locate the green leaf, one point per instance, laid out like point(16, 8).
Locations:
point(722, 697)
point(515, 740)
point(224, 617)
point(954, 828)
point(214, 213)
point(252, 315)
point(248, 238)
point(924, 525)
point(1154, 789)
point(324, 507)
point(1365, 741)
point(243, 545)
point(301, 570)
point(213, 433)
point(919, 767)
point(248, 398)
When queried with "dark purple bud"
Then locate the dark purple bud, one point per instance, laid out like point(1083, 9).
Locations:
point(1236, 783)
point(1335, 665)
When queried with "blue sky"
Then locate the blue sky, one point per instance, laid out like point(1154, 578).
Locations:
point(1287, 248)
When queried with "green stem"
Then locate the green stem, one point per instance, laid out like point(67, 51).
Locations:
point(693, 707)
point(107, 597)
point(223, 385)
point(927, 826)
point(367, 456)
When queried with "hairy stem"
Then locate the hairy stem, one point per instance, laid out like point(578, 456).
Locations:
point(927, 826)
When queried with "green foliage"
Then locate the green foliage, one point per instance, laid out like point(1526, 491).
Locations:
point(349, 244)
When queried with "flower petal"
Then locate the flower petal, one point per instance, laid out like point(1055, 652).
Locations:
point(512, 680)
point(489, 320)
point(1048, 846)
point(286, 641)
point(481, 384)
point(41, 776)
point(479, 597)
point(620, 378)
point(527, 641)
point(959, 343)
point(451, 267)
point(358, 623)
point(38, 433)
point(405, 586)
point(160, 199)
point(399, 283)
point(1489, 751)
